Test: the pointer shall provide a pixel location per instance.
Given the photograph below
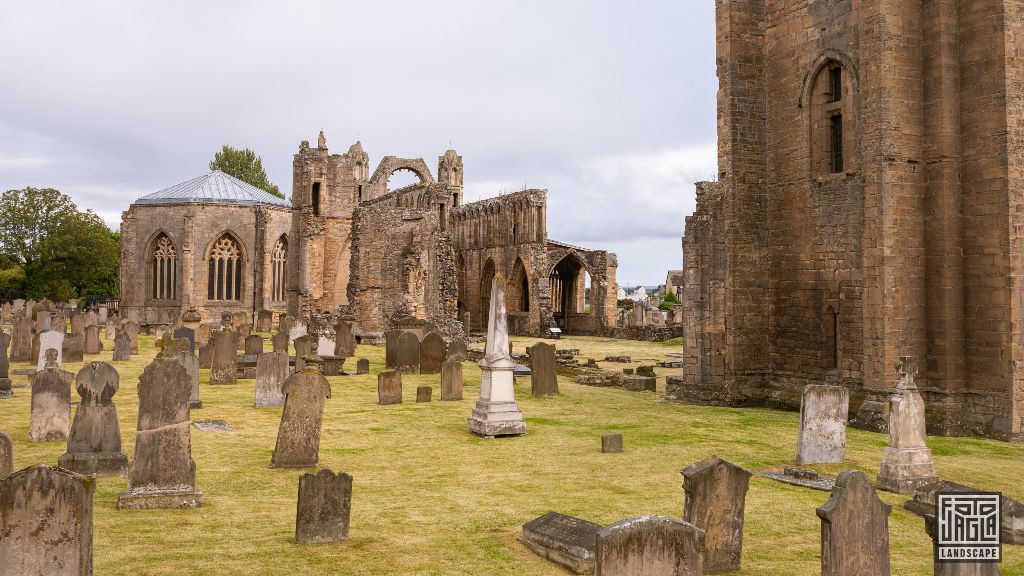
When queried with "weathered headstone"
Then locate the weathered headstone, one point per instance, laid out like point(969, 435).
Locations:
point(253, 345)
point(389, 387)
point(77, 320)
point(956, 568)
point(6, 455)
point(391, 349)
point(324, 346)
point(5, 366)
point(265, 321)
point(433, 352)
point(271, 372)
point(565, 540)
point(451, 380)
point(224, 364)
point(122, 347)
point(163, 474)
point(298, 436)
point(132, 329)
point(92, 318)
point(185, 333)
point(94, 445)
point(496, 413)
point(51, 405)
point(284, 323)
point(854, 529)
point(907, 462)
point(191, 364)
point(716, 492)
point(465, 323)
point(611, 443)
point(344, 341)
point(824, 411)
point(279, 342)
point(46, 523)
point(324, 507)
point(303, 348)
point(408, 353)
point(73, 347)
point(650, 546)
point(1011, 525)
point(457, 350)
point(362, 366)
point(110, 329)
point(544, 374)
point(21, 339)
point(93, 344)
point(424, 393)
point(50, 340)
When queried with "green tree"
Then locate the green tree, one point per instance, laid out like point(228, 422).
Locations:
point(668, 301)
point(48, 248)
point(245, 165)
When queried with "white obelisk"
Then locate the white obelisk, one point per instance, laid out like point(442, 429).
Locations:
point(496, 412)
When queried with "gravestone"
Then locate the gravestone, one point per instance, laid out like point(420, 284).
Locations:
point(324, 507)
point(465, 323)
point(716, 492)
point(224, 363)
point(50, 340)
point(424, 393)
point(73, 347)
point(1011, 525)
point(496, 412)
point(565, 540)
point(240, 320)
point(51, 405)
point(544, 374)
point(907, 461)
point(362, 366)
point(43, 320)
point(344, 341)
point(122, 347)
point(6, 455)
point(298, 436)
point(163, 474)
point(854, 529)
point(271, 372)
point(324, 346)
point(296, 331)
point(213, 425)
point(102, 315)
point(77, 320)
point(5, 367)
point(94, 445)
point(457, 350)
point(46, 523)
point(433, 352)
point(205, 332)
point(265, 321)
point(650, 546)
point(280, 342)
point(303, 348)
point(284, 323)
point(451, 380)
point(611, 443)
point(21, 339)
point(185, 333)
point(132, 329)
point(408, 355)
point(93, 344)
point(110, 329)
point(824, 411)
point(391, 349)
point(389, 387)
point(958, 568)
point(253, 345)
point(191, 364)
point(92, 318)
point(206, 356)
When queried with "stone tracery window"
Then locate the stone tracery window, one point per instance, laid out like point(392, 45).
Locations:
point(164, 269)
point(225, 270)
point(278, 267)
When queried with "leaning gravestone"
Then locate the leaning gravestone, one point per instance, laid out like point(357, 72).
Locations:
point(433, 352)
point(46, 523)
point(271, 372)
point(298, 436)
point(907, 462)
point(185, 333)
point(94, 445)
point(650, 546)
point(543, 370)
point(389, 387)
point(5, 367)
point(163, 474)
point(122, 347)
point(73, 347)
point(391, 349)
point(854, 529)
point(224, 365)
point(50, 340)
point(6, 455)
point(21, 339)
point(92, 344)
point(362, 366)
point(344, 341)
point(824, 411)
point(451, 380)
point(253, 345)
point(408, 353)
point(716, 492)
point(564, 540)
point(51, 405)
point(279, 342)
point(324, 507)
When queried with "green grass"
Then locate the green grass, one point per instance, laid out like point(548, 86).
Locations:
point(429, 498)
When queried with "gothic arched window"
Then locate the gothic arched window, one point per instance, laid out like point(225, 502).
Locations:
point(225, 270)
point(278, 266)
point(164, 269)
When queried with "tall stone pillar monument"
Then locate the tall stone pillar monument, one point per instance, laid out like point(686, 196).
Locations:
point(907, 463)
point(496, 412)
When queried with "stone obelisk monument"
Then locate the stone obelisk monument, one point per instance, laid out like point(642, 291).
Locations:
point(496, 412)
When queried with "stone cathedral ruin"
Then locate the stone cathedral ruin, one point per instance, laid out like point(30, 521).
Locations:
point(349, 245)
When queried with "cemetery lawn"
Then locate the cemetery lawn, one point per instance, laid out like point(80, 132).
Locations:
point(429, 498)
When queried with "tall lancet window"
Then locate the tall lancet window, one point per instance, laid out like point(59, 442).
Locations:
point(164, 269)
point(278, 266)
point(225, 270)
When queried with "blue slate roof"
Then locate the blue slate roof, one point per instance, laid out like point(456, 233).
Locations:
point(213, 188)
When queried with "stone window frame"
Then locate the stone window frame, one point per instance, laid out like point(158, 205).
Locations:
point(279, 270)
point(848, 107)
point(158, 281)
point(233, 264)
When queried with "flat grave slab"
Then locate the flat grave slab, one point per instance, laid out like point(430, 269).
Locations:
point(565, 540)
point(213, 425)
point(803, 478)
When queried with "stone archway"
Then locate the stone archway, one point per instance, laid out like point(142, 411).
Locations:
point(568, 291)
point(518, 298)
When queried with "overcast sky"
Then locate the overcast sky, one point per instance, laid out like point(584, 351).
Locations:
point(609, 105)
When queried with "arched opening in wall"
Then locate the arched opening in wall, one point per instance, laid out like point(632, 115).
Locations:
point(460, 280)
point(278, 269)
point(224, 269)
point(518, 299)
point(314, 198)
point(567, 291)
point(401, 178)
point(587, 296)
point(831, 120)
point(486, 279)
point(830, 338)
point(163, 269)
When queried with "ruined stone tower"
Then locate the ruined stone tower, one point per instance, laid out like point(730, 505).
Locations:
point(868, 207)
